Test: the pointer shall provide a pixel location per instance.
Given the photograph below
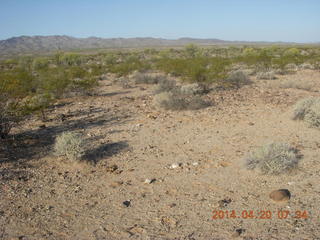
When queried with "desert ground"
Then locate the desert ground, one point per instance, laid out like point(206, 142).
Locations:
point(160, 174)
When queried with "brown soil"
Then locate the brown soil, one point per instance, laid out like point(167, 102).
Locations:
point(130, 140)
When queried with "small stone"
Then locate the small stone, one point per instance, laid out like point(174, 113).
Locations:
point(112, 168)
point(281, 195)
point(169, 222)
point(238, 232)
point(149, 181)
point(195, 164)
point(172, 205)
point(174, 165)
point(224, 164)
point(116, 184)
point(224, 202)
point(127, 203)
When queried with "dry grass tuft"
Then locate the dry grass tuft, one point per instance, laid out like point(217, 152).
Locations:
point(178, 101)
point(144, 78)
point(308, 109)
point(274, 158)
point(266, 75)
point(70, 145)
point(237, 79)
point(302, 85)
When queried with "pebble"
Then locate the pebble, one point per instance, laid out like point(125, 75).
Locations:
point(224, 202)
point(127, 203)
point(281, 195)
point(149, 181)
point(238, 232)
point(174, 165)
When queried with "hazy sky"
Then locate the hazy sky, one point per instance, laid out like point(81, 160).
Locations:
point(269, 20)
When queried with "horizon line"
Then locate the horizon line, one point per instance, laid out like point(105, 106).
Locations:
point(162, 38)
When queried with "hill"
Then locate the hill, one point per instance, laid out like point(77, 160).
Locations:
point(42, 44)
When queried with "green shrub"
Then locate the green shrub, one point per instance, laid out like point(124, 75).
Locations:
point(40, 63)
point(191, 50)
point(250, 52)
point(70, 59)
point(292, 52)
point(129, 65)
point(70, 145)
point(274, 158)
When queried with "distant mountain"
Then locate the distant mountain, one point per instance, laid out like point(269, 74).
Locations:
point(43, 44)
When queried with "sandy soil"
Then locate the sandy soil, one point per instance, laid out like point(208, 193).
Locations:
point(130, 140)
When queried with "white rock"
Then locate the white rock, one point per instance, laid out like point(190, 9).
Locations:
point(148, 181)
point(174, 165)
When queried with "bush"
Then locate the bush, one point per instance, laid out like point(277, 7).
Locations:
point(312, 117)
point(6, 121)
point(165, 85)
point(274, 158)
point(308, 110)
point(305, 66)
point(178, 101)
point(40, 63)
point(303, 106)
point(266, 75)
point(194, 89)
point(70, 59)
point(237, 79)
point(291, 67)
point(142, 78)
point(291, 83)
point(70, 145)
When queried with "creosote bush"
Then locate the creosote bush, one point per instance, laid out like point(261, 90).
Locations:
point(70, 145)
point(273, 158)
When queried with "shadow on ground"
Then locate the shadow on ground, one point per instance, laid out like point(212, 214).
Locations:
point(103, 151)
point(34, 144)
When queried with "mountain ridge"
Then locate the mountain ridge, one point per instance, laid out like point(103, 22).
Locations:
point(42, 44)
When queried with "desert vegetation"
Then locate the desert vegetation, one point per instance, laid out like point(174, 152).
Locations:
point(32, 84)
point(273, 158)
point(308, 110)
point(144, 143)
point(70, 145)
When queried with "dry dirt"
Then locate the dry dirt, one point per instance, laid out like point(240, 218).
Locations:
point(130, 140)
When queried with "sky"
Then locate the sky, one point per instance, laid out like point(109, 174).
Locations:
point(250, 20)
